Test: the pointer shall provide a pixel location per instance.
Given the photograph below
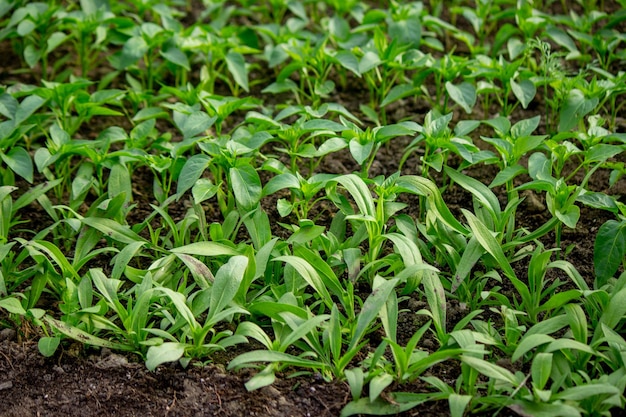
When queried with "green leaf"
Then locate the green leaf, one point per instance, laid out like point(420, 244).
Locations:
point(13, 306)
point(524, 91)
point(206, 249)
point(166, 352)
point(582, 392)
point(119, 182)
point(378, 384)
point(507, 174)
point(407, 31)
point(609, 250)
point(272, 356)
point(48, 345)
point(489, 243)
point(530, 342)
point(371, 307)
point(84, 337)
point(463, 94)
point(458, 404)
point(576, 106)
point(227, 282)
point(490, 370)
point(398, 92)
point(237, 67)
point(190, 173)
point(541, 369)
point(246, 186)
point(348, 60)
point(20, 162)
point(113, 230)
point(360, 151)
point(174, 55)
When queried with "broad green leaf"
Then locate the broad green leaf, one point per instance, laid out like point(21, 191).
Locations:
point(246, 186)
point(360, 151)
point(575, 107)
point(479, 190)
point(20, 162)
point(227, 282)
point(190, 173)
point(398, 92)
point(406, 31)
point(174, 55)
point(236, 64)
point(202, 190)
point(541, 369)
point(582, 392)
point(463, 94)
point(524, 91)
point(310, 275)
point(13, 306)
point(48, 345)
point(166, 352)
point(378, 384)
point(507, 174)
point(119, 182)
point(348, 60)
point(458, 404)
point(609, 250)
point(530, 342)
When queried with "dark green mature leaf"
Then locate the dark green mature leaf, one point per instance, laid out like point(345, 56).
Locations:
point(191, 172)
point(609, 250)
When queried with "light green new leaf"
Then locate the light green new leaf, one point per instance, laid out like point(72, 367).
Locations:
point(48, 345)
point(166, 352)
point(458, 404)
point(206, 248)
point(13, 306)
point(541, 369)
